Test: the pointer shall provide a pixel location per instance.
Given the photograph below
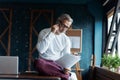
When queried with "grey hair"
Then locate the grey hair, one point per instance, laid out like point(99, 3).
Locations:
point(64, 17)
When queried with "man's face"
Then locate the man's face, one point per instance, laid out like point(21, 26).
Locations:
point(65, 25)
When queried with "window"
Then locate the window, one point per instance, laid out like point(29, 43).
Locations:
point(117, 48)
point(119, 38)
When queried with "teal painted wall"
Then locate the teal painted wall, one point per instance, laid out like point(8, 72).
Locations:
point(96, 10)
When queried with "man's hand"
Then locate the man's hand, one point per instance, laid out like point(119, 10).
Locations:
point(67, 70)
point(55, 29)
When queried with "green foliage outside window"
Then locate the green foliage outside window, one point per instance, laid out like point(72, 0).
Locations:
point(110, 61)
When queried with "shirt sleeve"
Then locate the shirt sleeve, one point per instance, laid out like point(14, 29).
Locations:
point(67, 48)
point(44, 40)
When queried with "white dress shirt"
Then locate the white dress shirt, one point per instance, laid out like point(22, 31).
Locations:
point(51, 46)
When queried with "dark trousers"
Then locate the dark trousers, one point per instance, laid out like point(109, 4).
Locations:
point(49, 68)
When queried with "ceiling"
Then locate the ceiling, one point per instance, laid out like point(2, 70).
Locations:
point(50, 1)
point(55, 1)
point(108, 4)
point(105, 3)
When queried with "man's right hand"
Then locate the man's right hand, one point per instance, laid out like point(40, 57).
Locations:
point(55, 29)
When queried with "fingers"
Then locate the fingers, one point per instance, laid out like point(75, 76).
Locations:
point(67, 71)
point(54, 28)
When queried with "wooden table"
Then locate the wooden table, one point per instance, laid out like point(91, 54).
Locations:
point(27, 76)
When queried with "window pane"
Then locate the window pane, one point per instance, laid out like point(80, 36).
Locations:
point(119, 37)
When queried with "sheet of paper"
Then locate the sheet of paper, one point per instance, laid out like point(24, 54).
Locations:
point(68, 60)
point(75, 41)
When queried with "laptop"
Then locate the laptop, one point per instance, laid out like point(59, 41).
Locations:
point(9, 64)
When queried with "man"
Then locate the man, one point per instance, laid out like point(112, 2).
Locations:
point(53, 44)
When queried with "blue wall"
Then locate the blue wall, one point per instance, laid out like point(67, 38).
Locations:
point(96, 10)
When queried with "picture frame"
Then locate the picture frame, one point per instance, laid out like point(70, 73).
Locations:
point(75, 36)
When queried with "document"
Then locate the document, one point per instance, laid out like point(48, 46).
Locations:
point(68, 60)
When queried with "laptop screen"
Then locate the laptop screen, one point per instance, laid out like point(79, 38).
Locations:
point(9, 64)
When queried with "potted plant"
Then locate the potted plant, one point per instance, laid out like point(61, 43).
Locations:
point(116, 62)
point(106, 61)
point(111, 62)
